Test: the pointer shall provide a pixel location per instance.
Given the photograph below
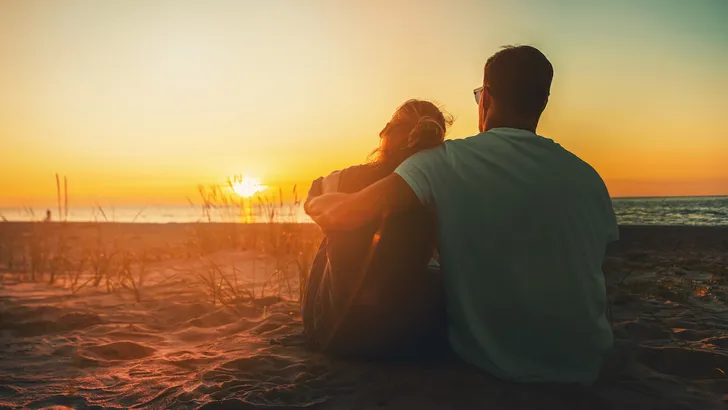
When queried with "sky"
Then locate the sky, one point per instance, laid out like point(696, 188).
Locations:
point(138, 102)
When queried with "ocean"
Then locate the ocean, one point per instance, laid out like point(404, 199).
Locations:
point(702, 211)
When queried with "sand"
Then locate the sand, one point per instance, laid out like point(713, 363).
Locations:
point(175, 349)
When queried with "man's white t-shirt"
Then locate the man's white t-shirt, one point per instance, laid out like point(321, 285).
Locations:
point(522, 229)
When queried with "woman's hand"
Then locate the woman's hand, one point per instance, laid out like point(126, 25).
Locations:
point(328, 210)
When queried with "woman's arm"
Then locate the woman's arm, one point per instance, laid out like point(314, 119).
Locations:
point(316, 189)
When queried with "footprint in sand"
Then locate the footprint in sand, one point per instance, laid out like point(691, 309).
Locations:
point(684, 362)
point(271, 323)
point(123, 350)
point(135, 336)
point(216, 318)
point(69, 322)
point(190, 360)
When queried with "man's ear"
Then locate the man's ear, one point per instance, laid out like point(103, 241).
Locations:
point(487, 98)
point(483, 109)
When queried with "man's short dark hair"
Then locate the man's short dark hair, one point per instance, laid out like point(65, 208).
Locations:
point(519, 79)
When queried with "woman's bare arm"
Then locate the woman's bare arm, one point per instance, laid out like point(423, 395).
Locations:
point(338, 211)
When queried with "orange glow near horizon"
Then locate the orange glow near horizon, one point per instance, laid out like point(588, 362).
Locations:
point(140, 102)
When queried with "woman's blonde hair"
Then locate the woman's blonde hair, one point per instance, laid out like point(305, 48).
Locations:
point(415, 126)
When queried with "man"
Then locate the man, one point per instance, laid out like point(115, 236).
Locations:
point(522, 229)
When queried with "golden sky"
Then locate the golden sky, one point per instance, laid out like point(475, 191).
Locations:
point(137, 102)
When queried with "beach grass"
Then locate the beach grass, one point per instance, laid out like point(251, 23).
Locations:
point(96, 256)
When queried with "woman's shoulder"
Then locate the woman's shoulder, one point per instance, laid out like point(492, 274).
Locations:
point(358, 177)
point(360, 170)
point(333, 181)
point(349, 179)
point(330, 183)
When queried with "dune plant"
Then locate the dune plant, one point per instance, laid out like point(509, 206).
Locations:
point(210, 280)
point(38, 249)
point(223, 287)
point(112, 278)
point(307, 248)
point(76, 276)
point(59, 260)
point(10, 240)
point(276, 245)
point(101, 259)
point(233, 291)
point(4, 241)
point(133, 271)
point(305, 244)
point(287, 245)
point(217, 204)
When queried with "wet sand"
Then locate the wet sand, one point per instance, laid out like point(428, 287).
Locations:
point(174, 349)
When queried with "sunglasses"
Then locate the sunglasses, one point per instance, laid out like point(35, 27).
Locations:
point(477, 92)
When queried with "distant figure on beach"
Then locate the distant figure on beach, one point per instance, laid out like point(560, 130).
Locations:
point(48, 215)
point(375, 292)
point(522, 228)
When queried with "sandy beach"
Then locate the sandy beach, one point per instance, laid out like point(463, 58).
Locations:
point(157, 335)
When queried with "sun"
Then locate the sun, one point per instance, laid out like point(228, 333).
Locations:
point(247, 186)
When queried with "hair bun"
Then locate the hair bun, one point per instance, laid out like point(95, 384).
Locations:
point(415, 125)
point(426, 133)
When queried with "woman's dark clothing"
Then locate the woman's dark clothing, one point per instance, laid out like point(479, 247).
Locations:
point(370, 292)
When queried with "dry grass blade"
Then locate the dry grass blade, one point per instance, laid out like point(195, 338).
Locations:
point(58, 193)
point(133, 273)
point(65, 199)
point(138, 214)
point(59, 260)
point(103, 213)
point(101, 259)
point(76, 277)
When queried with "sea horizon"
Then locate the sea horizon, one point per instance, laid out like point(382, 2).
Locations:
point(666, 210)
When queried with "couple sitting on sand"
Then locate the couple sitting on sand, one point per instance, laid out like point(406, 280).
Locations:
point(491, 244)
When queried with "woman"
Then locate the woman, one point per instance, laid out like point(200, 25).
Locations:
point(376, 292)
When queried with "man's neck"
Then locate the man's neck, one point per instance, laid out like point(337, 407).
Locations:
point(528, 124)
